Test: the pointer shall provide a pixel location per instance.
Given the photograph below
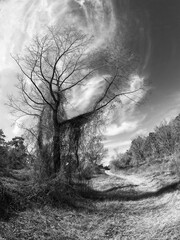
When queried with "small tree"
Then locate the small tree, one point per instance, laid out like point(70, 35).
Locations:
point(17, 153)
point(137, 149)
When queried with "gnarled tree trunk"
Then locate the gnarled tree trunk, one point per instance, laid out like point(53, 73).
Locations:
point(56, 143)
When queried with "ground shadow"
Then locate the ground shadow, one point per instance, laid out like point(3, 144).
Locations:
point(116, 193)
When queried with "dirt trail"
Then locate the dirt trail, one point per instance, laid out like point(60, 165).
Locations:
point(152, 218)
point(143, 183)
point(132, 179)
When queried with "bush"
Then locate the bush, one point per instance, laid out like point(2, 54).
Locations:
point(58, 192)
point(11, 201)
point(120, 160)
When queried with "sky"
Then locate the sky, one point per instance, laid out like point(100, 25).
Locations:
point(152, 28)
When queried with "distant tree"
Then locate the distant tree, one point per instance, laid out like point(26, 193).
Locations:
point(52, 68)
point(2, 138)
point(166, 138)
point(127, 158)
point(3, 150)
point(116, 163)
point(175, 126)
point(137, 149)
point(152, 146)
point(17, 153)
point(119, 160)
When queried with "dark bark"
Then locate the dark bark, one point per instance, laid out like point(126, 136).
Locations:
point(56, 143)
point(77, 135)
point(56, 153)
point(40, 131)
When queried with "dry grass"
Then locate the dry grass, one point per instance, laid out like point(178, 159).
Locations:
point(157, 217)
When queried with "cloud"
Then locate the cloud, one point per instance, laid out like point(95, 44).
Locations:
point(113, 129)
point(135, 85)
point(127, 120)
point(17, 130)
point(83, 97)
point(122, 122)
point(115, 144)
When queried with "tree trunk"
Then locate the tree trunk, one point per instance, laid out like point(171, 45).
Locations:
point(40, 132)
point(56, 144)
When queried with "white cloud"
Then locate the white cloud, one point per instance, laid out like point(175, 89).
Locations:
point(83, 97)
point(113, 129)
point(115, 144)
point(121, 123)
point(136, 82)
point(17, 130)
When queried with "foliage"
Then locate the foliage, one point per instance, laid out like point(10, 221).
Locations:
point(120, 160)
point(17, 153)
point(137, 147)
point(164, 141)
point(91, 147)
point(13, 154)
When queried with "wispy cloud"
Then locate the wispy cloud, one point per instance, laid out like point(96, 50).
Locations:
point(115, 144)
point(136, 82)
point(121, 120)
point(126, 122)
point(113, 129)
point(83, 97)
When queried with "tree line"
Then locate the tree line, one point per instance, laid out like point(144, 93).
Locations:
point(164, 141)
